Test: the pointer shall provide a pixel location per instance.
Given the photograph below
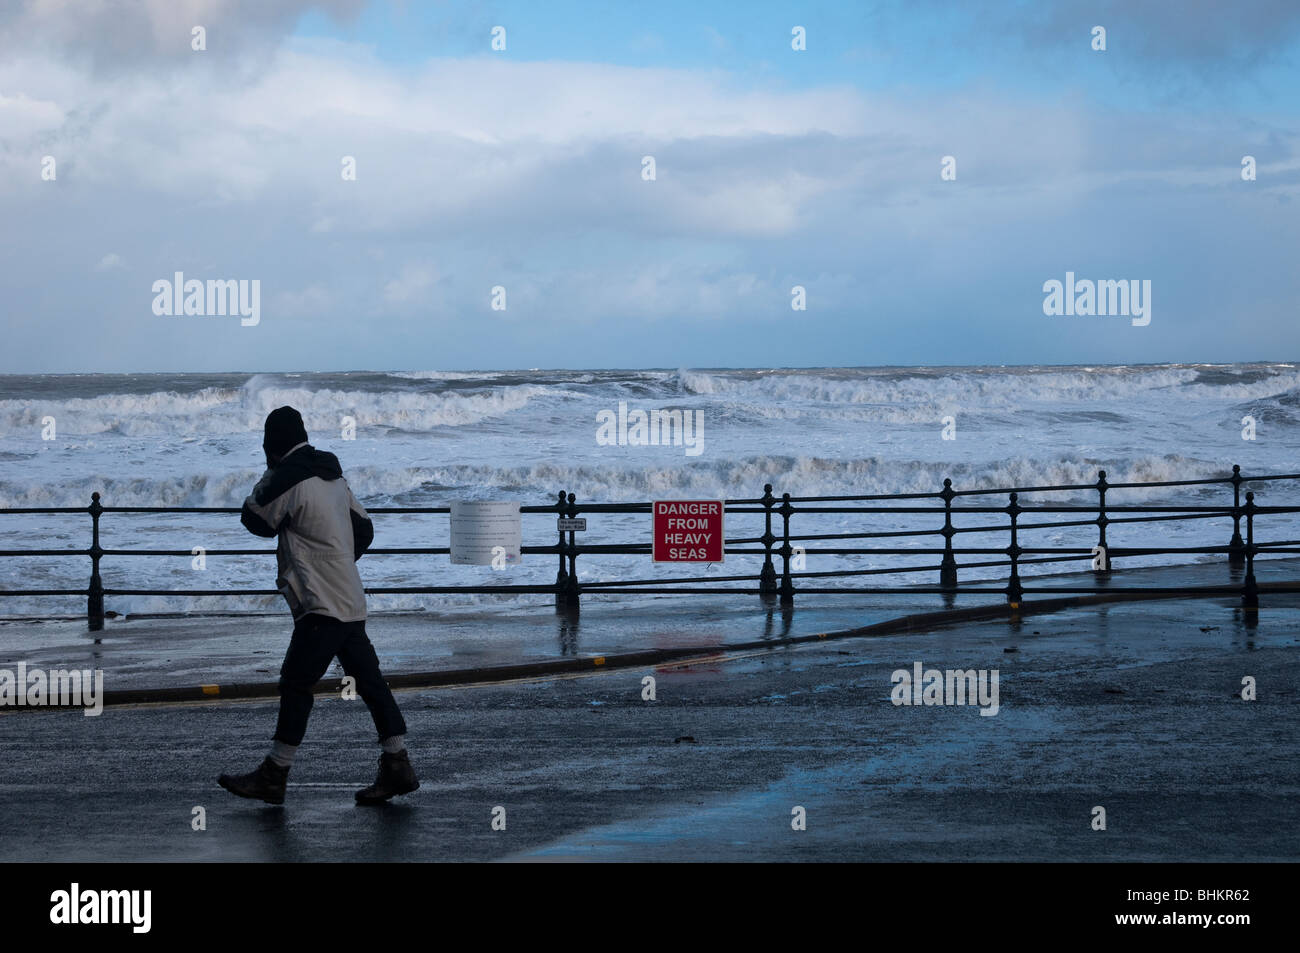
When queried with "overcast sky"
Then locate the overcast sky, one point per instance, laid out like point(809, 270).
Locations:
point(522, 168)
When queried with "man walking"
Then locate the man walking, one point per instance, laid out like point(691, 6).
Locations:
point(304, 500)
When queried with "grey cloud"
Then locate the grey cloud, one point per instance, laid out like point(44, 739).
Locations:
point(114, 37)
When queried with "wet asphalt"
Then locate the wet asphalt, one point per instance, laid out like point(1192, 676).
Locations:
point(1134, 707)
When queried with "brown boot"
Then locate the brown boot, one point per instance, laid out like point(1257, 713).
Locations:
point(396, 776)
point(264, 784)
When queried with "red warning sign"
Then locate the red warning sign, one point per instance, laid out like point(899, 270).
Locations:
point(687, 531)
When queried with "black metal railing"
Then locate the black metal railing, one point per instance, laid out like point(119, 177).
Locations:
point(788, 548)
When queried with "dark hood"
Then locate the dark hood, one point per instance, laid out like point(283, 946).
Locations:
point(303, 464)
point(311, 462)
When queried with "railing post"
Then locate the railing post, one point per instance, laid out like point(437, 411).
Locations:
point(571, 588)
point(767, 578)
point(948, 567)
point(1236, 548)
point(561, 577)
point(95, 594)
point(1102, 520)
point(1250, 591)
point(787, 584)
point(1014, 590)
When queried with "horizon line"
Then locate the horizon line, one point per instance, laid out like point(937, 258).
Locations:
point(533, 370)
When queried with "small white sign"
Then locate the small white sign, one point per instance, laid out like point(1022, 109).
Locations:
point(485, 532)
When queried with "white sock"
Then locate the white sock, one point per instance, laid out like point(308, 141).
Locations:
point(393, 744)
point(282, 754)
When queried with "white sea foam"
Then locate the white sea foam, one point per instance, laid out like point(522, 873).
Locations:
point(428, 437)
point(234, 411)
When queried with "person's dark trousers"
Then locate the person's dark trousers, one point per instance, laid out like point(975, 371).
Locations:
point(317, 639)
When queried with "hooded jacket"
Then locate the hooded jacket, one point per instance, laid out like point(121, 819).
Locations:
point(322, 532)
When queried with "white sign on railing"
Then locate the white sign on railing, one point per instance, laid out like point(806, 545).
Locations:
point(486, 532)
